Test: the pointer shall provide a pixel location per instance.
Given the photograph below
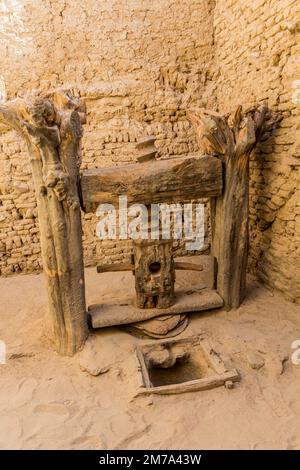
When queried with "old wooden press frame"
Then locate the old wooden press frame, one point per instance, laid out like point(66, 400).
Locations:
point(52, 128)
point(167, 181)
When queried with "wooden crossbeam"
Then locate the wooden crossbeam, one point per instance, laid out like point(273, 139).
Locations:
point(113, 267)
point(123, 312)
point(156, 181)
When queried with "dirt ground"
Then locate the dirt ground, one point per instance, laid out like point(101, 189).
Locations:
point(49, 402)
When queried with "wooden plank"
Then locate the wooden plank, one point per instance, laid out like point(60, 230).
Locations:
point(213, 357)
point(158, 181)
point(115, 267)
point(185, 266)
point(103, 315)
point(193, 385)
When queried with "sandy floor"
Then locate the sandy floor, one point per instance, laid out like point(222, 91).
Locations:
point(47, 401)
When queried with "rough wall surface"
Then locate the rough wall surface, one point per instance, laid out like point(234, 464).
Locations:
point(140, 65)
point(257, 59)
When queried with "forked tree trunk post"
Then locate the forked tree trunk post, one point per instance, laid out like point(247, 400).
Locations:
point(51, 127)
point(231, 138)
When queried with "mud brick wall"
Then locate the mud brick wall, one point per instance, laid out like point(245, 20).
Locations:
point(257, 59)
point(140, 65)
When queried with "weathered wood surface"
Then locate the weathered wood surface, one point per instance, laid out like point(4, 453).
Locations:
point(186, 266)
point(146, 149)
point(157, 181)
point(193, 385)
point(51, 127)
point(231, 139)
point(115, 267)
point(213, 358)
point(166, 326)
point(154, 273)
point(122, 313)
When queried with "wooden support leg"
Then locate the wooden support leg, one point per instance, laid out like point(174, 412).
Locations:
point(51, 127)
point(231, 138)
point(229, 219)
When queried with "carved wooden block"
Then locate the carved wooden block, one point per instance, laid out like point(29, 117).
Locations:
point(154, 273)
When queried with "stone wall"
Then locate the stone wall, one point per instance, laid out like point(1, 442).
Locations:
point(140, 65)
point(257, 59)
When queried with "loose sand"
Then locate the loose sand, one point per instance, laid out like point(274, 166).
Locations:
point(48, 402)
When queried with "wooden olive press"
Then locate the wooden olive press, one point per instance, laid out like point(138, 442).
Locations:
point(154, 268)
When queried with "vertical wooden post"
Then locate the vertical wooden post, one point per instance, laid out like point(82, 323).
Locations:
point(51, 127)
point(229, 221)
point(231, 138)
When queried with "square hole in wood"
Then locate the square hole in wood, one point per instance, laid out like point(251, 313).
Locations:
point(177, 366)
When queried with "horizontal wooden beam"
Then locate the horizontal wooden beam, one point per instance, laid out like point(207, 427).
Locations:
point(123, 312)
point(113, 267)
point(158, 181)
